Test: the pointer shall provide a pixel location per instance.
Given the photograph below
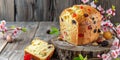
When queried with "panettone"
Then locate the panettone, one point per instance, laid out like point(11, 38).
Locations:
point(80, 24)
point(40, 50)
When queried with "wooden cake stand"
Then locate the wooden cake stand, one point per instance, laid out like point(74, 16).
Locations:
point(67, 51)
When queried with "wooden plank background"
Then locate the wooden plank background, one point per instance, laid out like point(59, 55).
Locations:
point(44, 10)
point(7, 10)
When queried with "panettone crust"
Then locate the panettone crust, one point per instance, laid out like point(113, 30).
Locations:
point(79, 24)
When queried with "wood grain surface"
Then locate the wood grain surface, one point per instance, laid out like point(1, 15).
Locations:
point(43, 27)
point(15, 50)
point(7, 10)
point(3, 43)
point(44, 10)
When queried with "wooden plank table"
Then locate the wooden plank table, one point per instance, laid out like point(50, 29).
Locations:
point(15, 50)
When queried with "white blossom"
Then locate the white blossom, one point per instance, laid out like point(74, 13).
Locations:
point(85, 1)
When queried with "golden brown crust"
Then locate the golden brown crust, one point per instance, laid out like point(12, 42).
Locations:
point(74, 22)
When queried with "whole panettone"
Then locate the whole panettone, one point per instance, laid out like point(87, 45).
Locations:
point(80, 24)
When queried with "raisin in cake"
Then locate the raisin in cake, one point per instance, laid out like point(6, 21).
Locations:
point(40, 50)
point(80, 24)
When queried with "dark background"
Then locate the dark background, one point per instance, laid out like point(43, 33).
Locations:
point(44, 10)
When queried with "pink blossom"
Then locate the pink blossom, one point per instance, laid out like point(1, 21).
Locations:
point(98, 56)
point(104, 18)
point(3, 22)
point(110, 25)
point(93, 4)
point(118, 35)
point(15, 32)
point(106, 56)
point(101, 9)
point(109, 56)
point(109, 11)
point(114, 51)
point(118, 31)
point(2, 26)
point(113, 13)
point(102, 12)
point(115, 43)
point(113, 54)
point(5, 29)
point(104, 29)
point(85, 1)
point(103, 23)
point(117, 51)
point(119, 47)
point(107, 23)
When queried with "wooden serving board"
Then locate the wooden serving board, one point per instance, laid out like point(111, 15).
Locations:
point(2, 45)
point(67, 51)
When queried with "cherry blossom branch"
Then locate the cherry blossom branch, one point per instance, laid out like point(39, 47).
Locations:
point(114, 30)
point(10, 33)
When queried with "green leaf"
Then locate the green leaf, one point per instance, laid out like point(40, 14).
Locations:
point(76, 58)
point(54, 30)
point(85, 58)
point(81, 57)
point(113, 7)
point(108, 16)
point(117, 59)
point(3, 32)
point(96, 1)
point(12, 27)
point(24, 29)
point(116, 24)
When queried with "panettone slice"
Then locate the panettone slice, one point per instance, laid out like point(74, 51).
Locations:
point(40, 50)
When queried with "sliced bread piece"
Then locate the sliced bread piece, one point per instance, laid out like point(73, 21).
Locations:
point(40, 50)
